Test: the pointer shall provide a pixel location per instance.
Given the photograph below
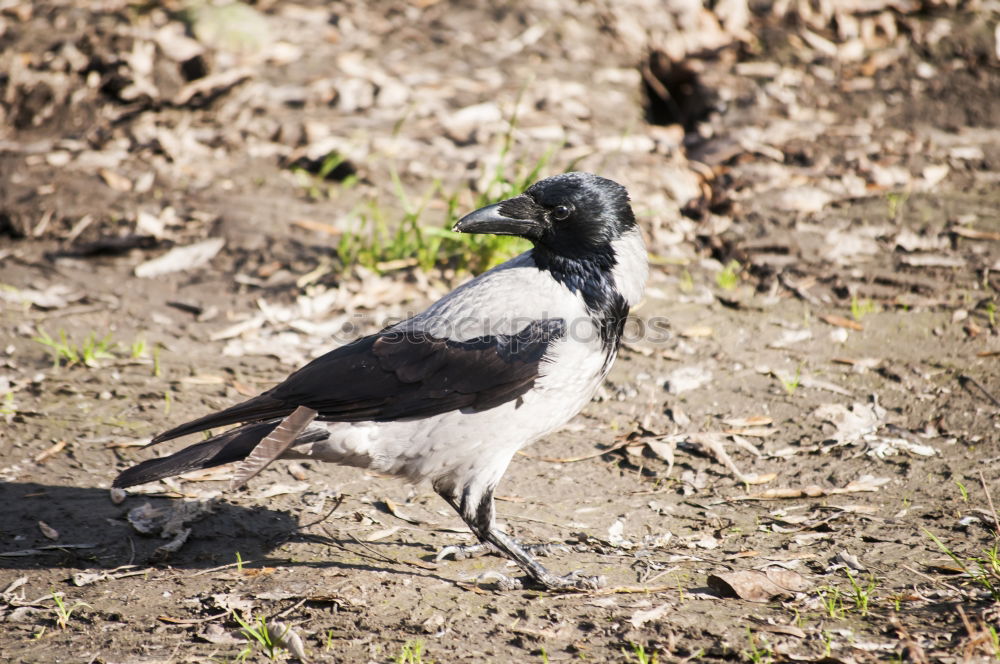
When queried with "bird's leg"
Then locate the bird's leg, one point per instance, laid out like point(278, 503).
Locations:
point(478, 512)
point(465, 551)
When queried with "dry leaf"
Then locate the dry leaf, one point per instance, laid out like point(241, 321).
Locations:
point(751, 421)
point(399, 514)
point(640, 618)
point(380, 534)
point(758, 586)
point(854, 423)
point(840, 321)
point(47, 530)
point(181, 258)
point(697, 332)
point(114, 180)
point(47, 454)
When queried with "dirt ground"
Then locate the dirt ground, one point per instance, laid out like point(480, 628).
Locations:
point(804, 416)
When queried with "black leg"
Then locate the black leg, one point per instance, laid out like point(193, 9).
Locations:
point(478, 513)
point(464, 551)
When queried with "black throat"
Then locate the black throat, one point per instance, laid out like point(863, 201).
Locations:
point(590, 276)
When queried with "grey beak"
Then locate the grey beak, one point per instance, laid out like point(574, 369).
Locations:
point(491, 221)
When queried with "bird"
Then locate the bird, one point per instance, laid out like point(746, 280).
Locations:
point(451, 394)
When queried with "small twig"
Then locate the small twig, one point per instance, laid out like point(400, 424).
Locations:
point(191, 621)
point(238, 563)
point(339, 501)
point(989, 500)
point(282, 614)
point(932, 579)
point(965, 378)
point(621, 590)
point(372, 551)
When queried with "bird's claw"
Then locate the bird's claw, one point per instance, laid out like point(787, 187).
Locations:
point(504, 582)
point(464, 551)
point(573, 581)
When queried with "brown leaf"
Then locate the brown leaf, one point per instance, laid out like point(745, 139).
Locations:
point(840, 321)
point(787, 630)
point(758, 586)
point(115, 181)
point(398, 513)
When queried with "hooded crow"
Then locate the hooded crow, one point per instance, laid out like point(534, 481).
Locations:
point(452, 393)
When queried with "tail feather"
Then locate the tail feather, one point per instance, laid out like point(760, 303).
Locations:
point(261, 409)
point(233, 445)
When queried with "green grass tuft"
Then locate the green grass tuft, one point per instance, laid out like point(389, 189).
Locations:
point(67, 353)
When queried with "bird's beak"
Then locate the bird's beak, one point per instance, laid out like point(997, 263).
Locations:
point(492, 221)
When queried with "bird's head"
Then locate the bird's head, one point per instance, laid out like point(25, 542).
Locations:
point(573, 215)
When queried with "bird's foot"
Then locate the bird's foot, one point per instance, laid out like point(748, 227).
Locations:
point(572, 581)
point(504, 582)
point(464, 551)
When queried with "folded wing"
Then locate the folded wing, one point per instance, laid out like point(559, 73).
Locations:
point(400, 374)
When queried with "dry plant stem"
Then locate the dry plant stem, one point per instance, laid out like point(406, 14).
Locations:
point(931, 579)
point(993, 509)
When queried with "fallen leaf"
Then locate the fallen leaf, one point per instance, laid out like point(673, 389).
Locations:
point(399, 514)
point(380, 534)
point(685, 379)
point(47, 454)
point(751, 421)
point(181, 258)
point(115, 180)
point(840, 321)
point(220, 636)
point(758, 586)
point(640, 618)
point(787, 630)
point(47, 530)
point(851, 423)
point(697, 332)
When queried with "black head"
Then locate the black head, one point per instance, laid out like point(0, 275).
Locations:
point(573, 215)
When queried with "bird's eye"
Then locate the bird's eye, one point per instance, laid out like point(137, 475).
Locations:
point(560, 212)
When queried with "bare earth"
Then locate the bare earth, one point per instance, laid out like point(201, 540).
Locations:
point(809, 393)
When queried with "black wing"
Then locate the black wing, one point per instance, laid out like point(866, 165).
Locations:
point(396, 375)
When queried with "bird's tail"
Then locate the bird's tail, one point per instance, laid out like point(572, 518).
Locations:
point(233, 445)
